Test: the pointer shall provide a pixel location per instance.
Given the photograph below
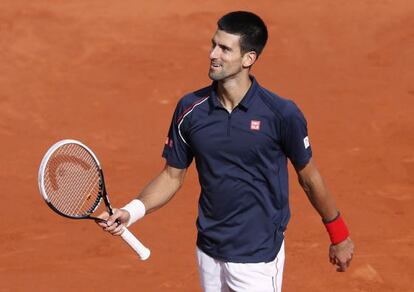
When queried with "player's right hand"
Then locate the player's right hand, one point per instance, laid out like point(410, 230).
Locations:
point(114, 224)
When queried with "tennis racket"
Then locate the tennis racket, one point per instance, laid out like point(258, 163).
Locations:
point(71, 182)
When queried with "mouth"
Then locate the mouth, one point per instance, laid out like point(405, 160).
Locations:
point(214, 65)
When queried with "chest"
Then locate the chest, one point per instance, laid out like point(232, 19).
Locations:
point(241, 134)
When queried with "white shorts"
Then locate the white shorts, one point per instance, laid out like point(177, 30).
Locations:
point(218, 276)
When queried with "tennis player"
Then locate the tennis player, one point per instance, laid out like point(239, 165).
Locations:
point(241, 136)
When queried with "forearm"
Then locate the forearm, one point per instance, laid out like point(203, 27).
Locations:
point(156, 194)
point(161, 189)
point(317, 193)
point(341, 248)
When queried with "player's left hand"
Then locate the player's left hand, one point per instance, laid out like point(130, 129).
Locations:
point(341, 254)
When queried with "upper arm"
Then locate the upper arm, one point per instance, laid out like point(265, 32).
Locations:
point(177, 151)
point(294, 138)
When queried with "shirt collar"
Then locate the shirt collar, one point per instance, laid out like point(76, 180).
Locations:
point(244, 103)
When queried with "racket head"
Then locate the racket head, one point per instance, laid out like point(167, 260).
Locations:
point(70, 179)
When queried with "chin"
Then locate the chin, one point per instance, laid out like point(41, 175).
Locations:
point(215, 77)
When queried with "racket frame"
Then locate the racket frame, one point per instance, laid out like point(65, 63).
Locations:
point(134, 243)
point(102, 192)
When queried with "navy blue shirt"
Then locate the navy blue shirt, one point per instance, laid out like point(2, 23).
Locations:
point(241, 159)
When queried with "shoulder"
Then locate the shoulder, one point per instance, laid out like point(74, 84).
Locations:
point(193, 98)
point(188, 102)
point(282, 107)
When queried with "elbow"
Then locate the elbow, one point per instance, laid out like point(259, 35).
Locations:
point(304, 184)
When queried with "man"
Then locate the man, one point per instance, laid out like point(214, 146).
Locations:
point(241, 136)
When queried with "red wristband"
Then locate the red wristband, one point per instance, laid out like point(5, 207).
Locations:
point(337, 230)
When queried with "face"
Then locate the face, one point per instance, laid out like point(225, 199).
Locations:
point(226, 59)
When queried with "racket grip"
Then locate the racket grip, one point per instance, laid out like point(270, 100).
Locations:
point(135, 244)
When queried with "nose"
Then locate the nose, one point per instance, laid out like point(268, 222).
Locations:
point(214, 52)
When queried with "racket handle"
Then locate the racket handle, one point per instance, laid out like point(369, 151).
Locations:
point(135, 244)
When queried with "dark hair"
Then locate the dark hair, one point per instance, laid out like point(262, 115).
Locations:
point(250, 27)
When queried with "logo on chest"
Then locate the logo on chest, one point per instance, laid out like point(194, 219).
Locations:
point(255, 125)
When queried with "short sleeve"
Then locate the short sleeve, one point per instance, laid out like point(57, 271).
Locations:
point(177, 151)
point(295, 139)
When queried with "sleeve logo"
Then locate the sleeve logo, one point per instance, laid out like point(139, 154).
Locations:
point(169, 142)
point(306, 142)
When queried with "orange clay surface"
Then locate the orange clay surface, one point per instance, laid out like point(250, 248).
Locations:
point(109, 73)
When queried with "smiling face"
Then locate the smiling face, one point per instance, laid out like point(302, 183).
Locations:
point(226, 58)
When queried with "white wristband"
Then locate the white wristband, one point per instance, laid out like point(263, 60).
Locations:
point(136, 210)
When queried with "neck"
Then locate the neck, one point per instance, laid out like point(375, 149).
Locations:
point(231, 91)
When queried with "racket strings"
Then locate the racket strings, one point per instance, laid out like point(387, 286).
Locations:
point(77, 188)
point(72, 181)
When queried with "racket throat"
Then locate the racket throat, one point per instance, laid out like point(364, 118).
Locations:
point(104, 193)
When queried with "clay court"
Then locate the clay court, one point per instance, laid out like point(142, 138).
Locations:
point(110, 73)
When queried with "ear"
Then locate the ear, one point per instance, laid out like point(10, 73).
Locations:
point(249, 59)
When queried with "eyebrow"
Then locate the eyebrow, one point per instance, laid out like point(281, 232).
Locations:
point(221, 45)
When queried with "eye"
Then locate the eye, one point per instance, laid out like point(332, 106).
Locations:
point(225, 49)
